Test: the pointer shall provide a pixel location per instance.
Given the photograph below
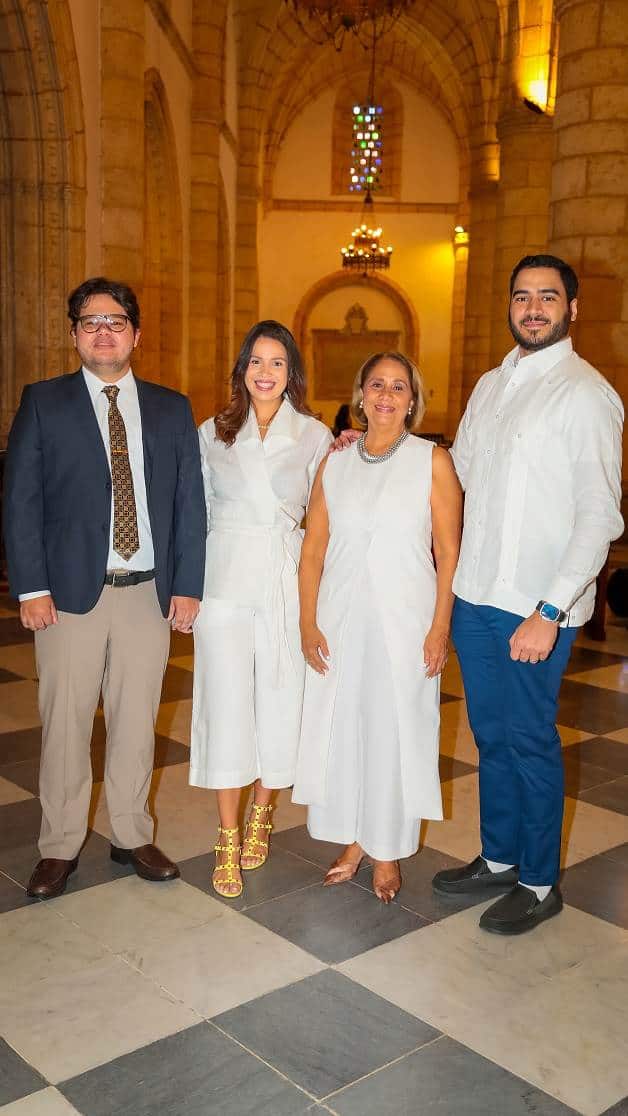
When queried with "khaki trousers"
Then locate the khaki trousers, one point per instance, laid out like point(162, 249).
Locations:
point(119, 648)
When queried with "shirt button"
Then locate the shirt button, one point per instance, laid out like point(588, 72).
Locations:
point(498, 415)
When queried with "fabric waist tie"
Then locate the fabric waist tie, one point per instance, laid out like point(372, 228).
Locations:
point(283, 553)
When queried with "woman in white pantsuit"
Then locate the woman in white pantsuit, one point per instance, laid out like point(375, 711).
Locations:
point(375, 616)
point(259, 457)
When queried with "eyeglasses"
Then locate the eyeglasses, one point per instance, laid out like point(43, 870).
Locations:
point(91, 323)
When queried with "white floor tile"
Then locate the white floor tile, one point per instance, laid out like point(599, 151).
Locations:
point(74, 1021)
point(226, 962)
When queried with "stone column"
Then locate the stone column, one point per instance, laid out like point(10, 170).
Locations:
point(122, 140)
point(479, 280)
point(209, 31)
point(525, 165)
point(589, 205)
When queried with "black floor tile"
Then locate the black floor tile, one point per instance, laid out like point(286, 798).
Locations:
point(177, 684)
point(584, 658)
point(23, 744)
point(445, 1078)
point(611, 796)
point(7, 676)
point(335, 923)
point(580, 776)
point(17, 1078)
point(310, 1031)
point(19, 855)
point(592, 708)
point(25, 771)
point(619, 854)
point(197, 1072)
point(450, 768)
point(24, 774)
point(445, 698)
point(417, 894)
point(599, 886)
point(11, 631)
point(298, 841)
point(612, 755)
point(619, 1109)
point(181, 644)
point(282, 874)
point(12, 896)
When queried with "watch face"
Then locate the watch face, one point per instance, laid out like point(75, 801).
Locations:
point(550, 612)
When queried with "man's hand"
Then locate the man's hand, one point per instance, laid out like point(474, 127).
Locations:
point(533, 640)
point(38, 613)
point(345, 439)
point(183, 613)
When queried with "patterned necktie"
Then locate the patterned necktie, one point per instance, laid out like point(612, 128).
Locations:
point(125, 535)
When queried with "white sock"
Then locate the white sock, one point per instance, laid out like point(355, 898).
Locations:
point(540, 892)
point(495, 866)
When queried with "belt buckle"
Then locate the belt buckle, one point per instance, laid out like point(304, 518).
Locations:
point(118, 578)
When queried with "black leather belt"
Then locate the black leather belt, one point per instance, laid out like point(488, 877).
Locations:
point(120, 579)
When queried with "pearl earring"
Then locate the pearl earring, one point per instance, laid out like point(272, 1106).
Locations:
point(360, 405)
point(410, 409)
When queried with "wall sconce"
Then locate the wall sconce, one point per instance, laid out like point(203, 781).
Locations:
point(461, 237)
point(532, 105)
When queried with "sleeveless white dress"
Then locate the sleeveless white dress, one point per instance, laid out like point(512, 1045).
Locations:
point(368, 755)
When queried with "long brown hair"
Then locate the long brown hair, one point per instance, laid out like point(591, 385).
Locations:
point(231, 419)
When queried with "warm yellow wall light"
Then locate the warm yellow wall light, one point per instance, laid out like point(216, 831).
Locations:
point(461, 236)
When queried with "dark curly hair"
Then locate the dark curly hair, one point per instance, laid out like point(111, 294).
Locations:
point(122, 294)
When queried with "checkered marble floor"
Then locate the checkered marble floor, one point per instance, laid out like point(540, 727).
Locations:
point(129, 997)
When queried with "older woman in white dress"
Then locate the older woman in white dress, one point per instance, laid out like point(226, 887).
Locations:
point(259, 457)
point(377, 565)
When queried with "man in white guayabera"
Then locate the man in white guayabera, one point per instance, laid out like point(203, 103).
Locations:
point(538, 453)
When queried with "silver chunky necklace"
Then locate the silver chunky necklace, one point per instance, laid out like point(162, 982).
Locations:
point(375, 458)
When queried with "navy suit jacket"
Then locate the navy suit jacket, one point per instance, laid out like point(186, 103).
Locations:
point(57, 494)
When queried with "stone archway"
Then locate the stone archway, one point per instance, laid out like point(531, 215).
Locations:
point(42, 193)
point(162, 298)
point(376, 282)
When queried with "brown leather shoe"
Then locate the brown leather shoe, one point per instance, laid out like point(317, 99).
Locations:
point(149, 862)
point(50, 878)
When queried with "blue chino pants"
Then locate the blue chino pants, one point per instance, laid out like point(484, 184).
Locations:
point(512, 711)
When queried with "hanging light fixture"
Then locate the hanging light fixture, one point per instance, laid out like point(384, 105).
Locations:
point(330, 20)
point(365, 252)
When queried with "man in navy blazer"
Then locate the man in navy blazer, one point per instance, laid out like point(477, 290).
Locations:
point(105, 529)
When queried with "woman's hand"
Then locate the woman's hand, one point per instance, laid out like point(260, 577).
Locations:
point(345, 439)
point(435, 651)
point(315, 649)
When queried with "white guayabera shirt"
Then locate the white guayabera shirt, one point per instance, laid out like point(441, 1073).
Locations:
point(538, 453)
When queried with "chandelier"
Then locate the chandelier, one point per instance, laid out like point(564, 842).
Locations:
point(330, 20)
point(365, 253)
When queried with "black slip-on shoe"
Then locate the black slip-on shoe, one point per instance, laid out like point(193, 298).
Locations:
point(473, 878)
point(520, 910)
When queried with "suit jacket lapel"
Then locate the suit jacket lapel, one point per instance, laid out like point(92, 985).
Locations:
point(80, 402)
point(150, 412)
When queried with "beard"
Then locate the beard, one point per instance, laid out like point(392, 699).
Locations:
point(530, 344)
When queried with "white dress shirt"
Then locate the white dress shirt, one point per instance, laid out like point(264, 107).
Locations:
point(538, 453)
point(129, 407)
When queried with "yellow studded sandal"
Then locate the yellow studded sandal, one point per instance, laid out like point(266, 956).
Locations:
point(257, 837)
point(223, 876)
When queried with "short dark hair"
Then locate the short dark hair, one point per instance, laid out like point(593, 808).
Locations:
point(542, 259)
point(122, 294)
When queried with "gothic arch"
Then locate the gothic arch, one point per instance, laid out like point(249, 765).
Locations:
point(377, 282)
point(163, 278)
point(42, 193)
